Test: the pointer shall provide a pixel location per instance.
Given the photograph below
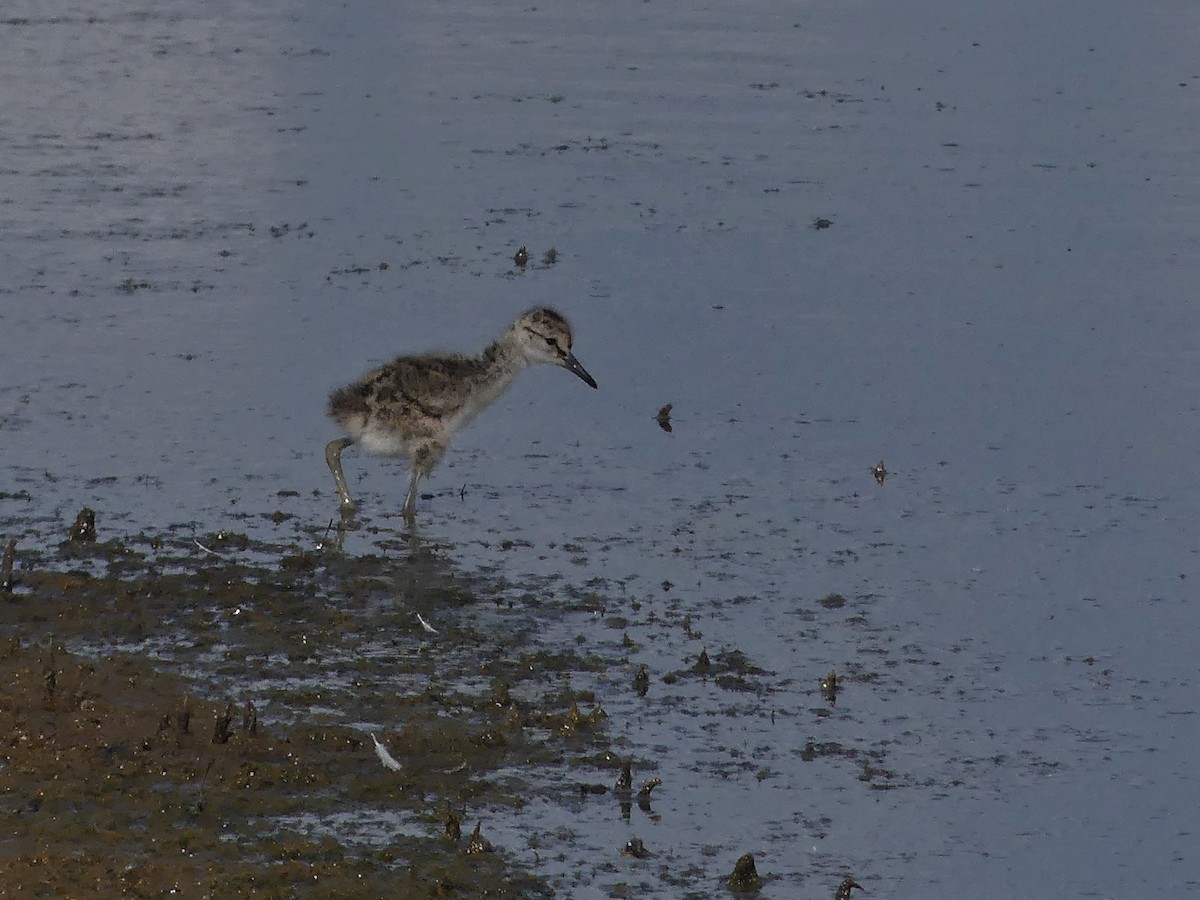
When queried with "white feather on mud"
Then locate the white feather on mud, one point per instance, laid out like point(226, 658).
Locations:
point(389, 762)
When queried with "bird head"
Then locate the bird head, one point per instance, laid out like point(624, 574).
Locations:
point(545, 337)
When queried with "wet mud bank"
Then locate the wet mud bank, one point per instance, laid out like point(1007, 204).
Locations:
point(222, 718)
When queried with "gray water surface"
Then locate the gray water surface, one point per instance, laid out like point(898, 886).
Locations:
point(199, 198)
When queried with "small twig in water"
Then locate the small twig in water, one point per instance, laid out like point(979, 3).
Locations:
point(426, 625)
point(389, 762)
point(205, 549)
point(644, 794)
point(198, 806)
point(6, 567)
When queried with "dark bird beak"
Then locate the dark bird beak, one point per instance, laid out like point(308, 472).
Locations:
point(571, 364)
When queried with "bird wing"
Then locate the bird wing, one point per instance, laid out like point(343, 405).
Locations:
point(434, 385)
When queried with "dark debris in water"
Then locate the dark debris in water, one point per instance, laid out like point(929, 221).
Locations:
point(833, 601)
point(880, 472)
point(847, 885)
point(648, 787)
point(664, 418)
point(641, 680)
point(636, 848)
point(84, 529)
point(829, 687)
point(131, 285)
point(745, 877)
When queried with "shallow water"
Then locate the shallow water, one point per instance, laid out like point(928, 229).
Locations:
point(199, 205)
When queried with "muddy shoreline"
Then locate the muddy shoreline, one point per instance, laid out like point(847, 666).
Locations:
point(189, 768)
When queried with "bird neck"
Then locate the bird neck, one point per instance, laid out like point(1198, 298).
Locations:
point(499, 364)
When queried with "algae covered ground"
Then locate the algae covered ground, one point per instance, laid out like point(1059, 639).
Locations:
point(169, 726)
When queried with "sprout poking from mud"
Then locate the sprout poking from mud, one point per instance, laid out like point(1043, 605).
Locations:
point(478, 843)
point(200, 803)
point(521, 257)
point(573, 720)
point(880, 472)
point(50, 676)
point(501, 695)
point(453, 826)
point(185, 715)
point(745, 876)
point(250, 719)
point(664, 418)
point(84, 529)
point(550, 257)
point(703, 663)
point(848, 884)
point(221, 730)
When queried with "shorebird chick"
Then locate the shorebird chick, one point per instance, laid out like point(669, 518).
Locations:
point(414, 405)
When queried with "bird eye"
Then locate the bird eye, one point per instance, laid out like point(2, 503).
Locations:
point(552, 342)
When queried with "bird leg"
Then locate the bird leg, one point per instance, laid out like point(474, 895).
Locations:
point(333, 458)
point(410, 502)
point(424, 458)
